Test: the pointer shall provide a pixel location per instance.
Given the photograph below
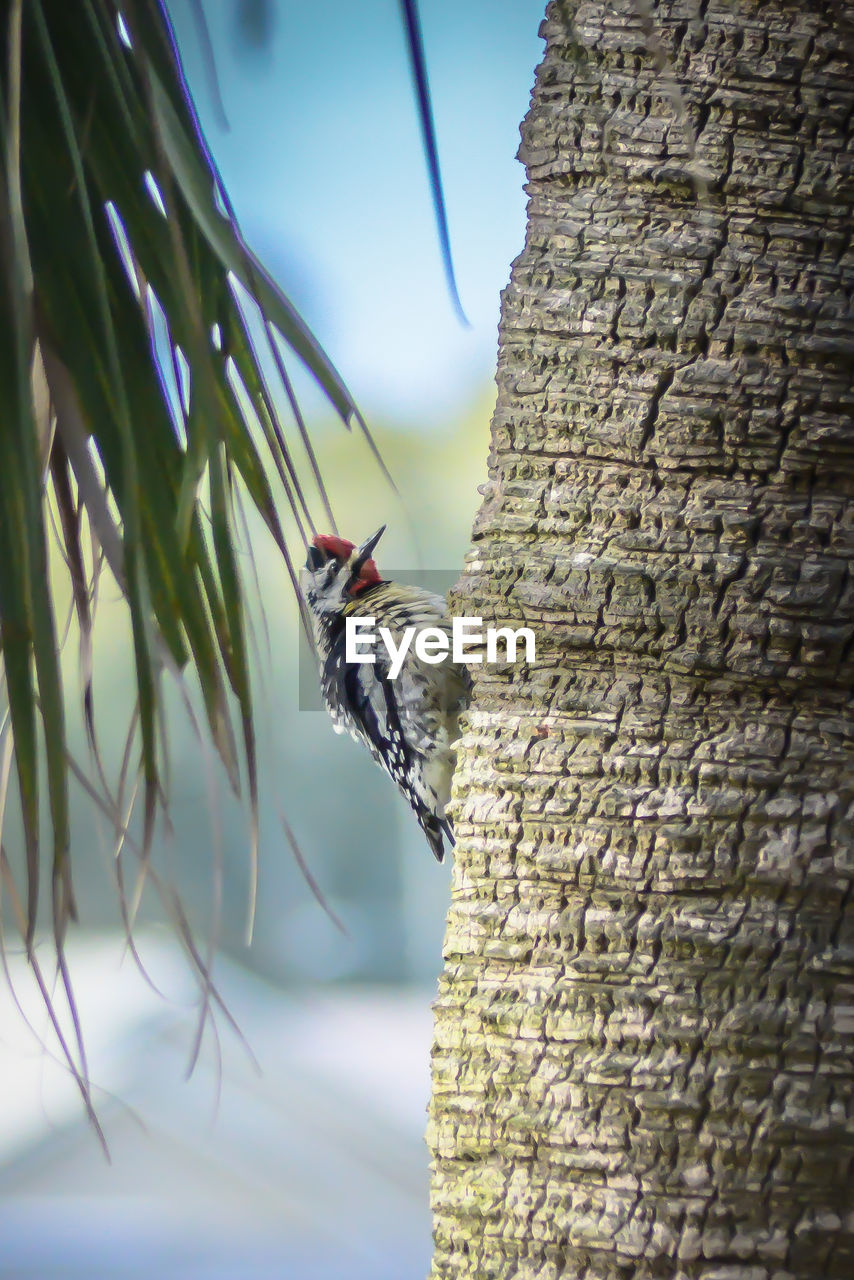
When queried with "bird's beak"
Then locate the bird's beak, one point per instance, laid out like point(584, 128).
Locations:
point(366, 550)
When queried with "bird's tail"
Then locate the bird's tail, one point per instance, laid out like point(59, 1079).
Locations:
point(434, 829)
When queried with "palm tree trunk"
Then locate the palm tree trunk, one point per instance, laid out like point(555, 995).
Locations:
point(645, 1027)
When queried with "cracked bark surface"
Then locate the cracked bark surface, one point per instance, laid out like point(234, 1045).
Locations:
point(645, 1028)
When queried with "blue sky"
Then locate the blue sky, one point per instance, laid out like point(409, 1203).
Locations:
point(323, 162)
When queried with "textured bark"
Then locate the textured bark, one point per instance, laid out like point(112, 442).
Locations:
point(645, 1028)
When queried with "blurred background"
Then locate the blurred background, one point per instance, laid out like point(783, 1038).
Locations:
point(310, 1161)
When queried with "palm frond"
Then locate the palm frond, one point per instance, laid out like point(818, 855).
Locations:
point(421, 91)
point(143, 353)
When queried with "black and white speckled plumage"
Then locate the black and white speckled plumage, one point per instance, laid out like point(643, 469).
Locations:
point(408, 724)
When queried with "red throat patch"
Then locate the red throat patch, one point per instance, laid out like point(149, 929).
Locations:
point(368, 576)
point(340, 548)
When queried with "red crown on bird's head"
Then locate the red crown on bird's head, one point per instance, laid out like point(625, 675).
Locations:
point(341, 549)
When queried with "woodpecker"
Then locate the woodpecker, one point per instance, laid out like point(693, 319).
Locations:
point(409, 724)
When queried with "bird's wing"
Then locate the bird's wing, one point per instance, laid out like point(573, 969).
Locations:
point(369, 711)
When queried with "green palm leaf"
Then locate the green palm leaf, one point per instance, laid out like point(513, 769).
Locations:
point(141, 345)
